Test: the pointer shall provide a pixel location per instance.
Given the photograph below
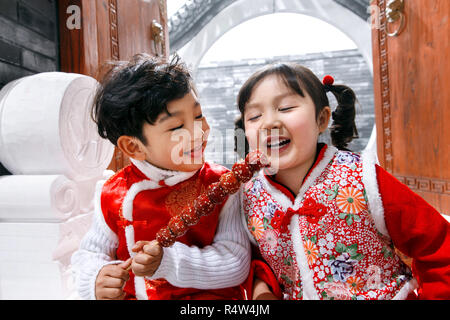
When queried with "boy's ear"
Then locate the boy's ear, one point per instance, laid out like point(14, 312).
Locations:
point(131, 147)
point(324, 119)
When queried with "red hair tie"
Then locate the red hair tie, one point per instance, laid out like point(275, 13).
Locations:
point(328, 80)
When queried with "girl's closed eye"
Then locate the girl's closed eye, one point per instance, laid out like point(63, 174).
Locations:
point(199, 117)
point(254, 117)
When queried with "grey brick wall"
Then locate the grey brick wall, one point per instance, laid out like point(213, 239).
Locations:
point(28, 40)
point(218, 86)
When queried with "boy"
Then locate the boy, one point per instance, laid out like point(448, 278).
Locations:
point(144, 108)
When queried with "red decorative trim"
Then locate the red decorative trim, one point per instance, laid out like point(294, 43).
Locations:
point(426, 184)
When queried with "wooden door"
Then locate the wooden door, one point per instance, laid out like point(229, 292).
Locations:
point(412, 99)
point(110, 30)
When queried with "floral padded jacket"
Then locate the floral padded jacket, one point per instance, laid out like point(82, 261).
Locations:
point(335, 239)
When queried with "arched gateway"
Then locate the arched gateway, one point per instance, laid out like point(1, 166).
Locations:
point(196, 26)
point(200, 23)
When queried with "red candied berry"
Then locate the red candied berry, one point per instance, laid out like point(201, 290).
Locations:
point(229, 182)
point(202, 205)
point(256, 160)
point(242, 171)
point(165, 238)
point(177, 226)
point(189, 216)
point(215, 193)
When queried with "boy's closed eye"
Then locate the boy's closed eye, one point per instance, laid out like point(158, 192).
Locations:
point(287, 108)
point(199, 117)
point(176, 128)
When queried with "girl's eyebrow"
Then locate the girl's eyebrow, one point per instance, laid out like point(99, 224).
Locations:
point(284, 95)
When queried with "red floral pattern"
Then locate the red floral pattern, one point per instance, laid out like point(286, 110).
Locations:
point(278, 218)
point(342, 246)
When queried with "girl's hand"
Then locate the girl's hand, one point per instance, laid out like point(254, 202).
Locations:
point(261, 291)
point(110, 281)
point(148, 258)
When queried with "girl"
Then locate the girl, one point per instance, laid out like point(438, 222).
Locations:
point(325, 219)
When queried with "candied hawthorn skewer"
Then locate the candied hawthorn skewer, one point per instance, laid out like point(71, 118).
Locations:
point(229, 183)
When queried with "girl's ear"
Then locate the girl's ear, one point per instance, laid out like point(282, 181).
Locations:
point(324, 119)
point(131, 147)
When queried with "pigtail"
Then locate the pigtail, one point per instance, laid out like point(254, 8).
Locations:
point(343, 129)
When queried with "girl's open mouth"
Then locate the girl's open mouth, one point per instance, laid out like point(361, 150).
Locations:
point(278, 144)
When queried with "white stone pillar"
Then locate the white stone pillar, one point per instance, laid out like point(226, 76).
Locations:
point(50, 144)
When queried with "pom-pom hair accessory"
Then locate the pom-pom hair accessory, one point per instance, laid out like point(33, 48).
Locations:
point(328, 82)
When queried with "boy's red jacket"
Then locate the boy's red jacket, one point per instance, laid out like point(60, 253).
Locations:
point(151, 210)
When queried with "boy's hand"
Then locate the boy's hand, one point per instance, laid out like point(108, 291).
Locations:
point(110, 281)
point(148, 258)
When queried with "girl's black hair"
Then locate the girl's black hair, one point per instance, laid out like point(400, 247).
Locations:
point(136, 92)
point(299, 79)
point(343, 128)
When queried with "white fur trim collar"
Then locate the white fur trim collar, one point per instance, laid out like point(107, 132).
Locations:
point(315, 173)
point(309, 291)
point(156, 174)
point(375, 204)
point(282, 199)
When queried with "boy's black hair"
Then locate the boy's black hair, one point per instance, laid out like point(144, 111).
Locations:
point(299, 79)
point(136, 92)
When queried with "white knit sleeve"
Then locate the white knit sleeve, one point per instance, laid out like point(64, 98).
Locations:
point(225, 263)
point(97, 249)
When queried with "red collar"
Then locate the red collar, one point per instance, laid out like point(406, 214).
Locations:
point(321, 148)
